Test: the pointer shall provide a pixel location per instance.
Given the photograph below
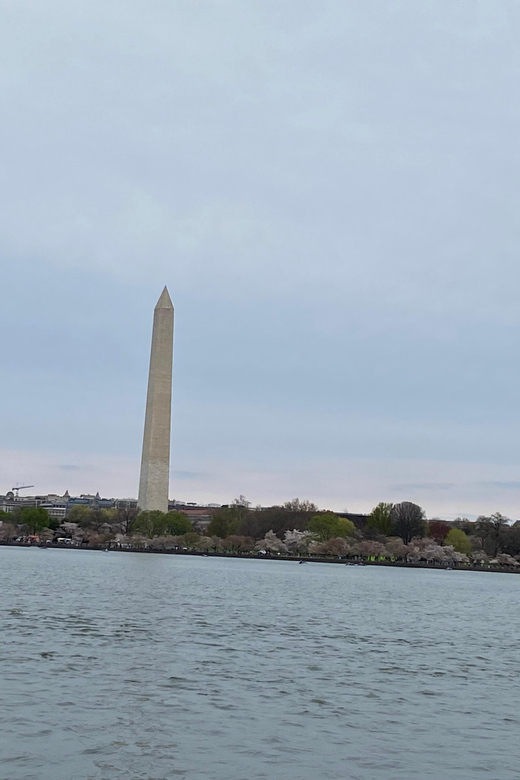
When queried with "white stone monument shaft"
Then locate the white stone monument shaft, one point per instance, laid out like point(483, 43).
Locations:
point(155, 461)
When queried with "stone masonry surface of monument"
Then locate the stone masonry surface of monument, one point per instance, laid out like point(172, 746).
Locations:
point(155, 461)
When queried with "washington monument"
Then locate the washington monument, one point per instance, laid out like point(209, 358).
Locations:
point(155, 461)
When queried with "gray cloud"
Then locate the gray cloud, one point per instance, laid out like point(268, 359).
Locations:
point(424, 486)
point(196, 475)
point(329, 192)
point(508, 485)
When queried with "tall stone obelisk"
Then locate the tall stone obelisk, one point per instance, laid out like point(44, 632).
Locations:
point(155, 461)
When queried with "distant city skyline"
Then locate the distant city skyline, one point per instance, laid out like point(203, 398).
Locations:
point(329, 192)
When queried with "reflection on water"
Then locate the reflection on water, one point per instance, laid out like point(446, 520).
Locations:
point(158, 667)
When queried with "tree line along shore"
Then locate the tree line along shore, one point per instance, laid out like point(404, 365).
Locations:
point(391, 533)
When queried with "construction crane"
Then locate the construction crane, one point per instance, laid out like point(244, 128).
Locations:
point(16, 490)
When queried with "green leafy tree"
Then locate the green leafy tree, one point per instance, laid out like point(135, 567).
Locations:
point(225, 522)
point(91, 517)
point(458, 540)
point(35, 518)
point(240, 509)
point(155, 523)
point(407, 521)
point(102, 517)
point(330, 526)
point(80, 514)
point(379, 519)
point(150, 524)
point(176, 524)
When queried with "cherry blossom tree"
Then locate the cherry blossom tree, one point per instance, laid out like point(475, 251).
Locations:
point(7, 531)
point(140, 542)
point(204, 543)
point(396, 548)
point(479, 556)
point(297, 541)
point(452, 556)
point(165, 542)
point(414, 553)
point(337, 546)
point(506, 560)
point(434, 553)
point(271, 543)
point(370, 549)
point(233, 542)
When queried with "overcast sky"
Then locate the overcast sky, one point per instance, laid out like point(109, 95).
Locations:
point(329, 190)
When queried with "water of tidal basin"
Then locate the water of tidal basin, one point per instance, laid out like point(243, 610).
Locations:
point(121, 665)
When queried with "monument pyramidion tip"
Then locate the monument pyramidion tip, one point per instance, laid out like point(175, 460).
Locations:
point(164, 302)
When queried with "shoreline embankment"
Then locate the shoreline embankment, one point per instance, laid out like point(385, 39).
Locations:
point(345, 561)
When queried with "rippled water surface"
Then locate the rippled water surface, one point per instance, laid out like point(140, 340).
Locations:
point(121, 665)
